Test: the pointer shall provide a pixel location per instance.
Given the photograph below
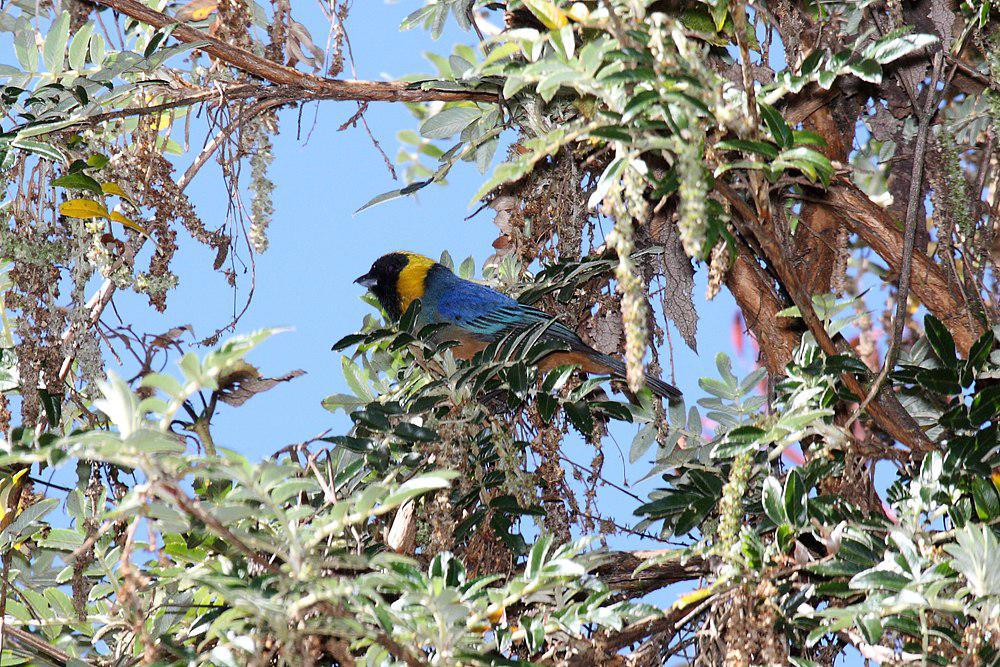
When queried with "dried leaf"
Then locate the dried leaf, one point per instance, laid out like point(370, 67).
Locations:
point(883, 124)
point(402, 535)
point(244, 381)
point(678, 275)
point(604, 329)
point(167, 338)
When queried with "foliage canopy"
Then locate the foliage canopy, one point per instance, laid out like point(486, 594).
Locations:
point(832, 165)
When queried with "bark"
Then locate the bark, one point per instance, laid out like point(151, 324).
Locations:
point(886, 410)
point(929, 283)
point(751, 287)
point(619, 572)
point(817, 241)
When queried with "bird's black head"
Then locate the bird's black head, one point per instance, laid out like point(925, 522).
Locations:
point(382, 280)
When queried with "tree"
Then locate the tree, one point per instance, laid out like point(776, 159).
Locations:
point(831, 164)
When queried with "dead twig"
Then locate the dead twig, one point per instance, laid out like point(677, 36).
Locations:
point(906, 265)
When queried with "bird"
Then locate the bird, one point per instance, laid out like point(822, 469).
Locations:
point(474, 315)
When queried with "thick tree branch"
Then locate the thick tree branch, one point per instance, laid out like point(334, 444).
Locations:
point(928, 281)
point(760, 304)
point(618, 572)
point(888, 413)
point(316, 87)
point(913, 204)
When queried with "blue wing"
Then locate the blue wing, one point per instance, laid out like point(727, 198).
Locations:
point(488, 314)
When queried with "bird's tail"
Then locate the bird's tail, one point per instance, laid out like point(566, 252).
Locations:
point(656, 385)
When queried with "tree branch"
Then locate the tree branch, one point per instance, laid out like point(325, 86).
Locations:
point(760, 304)
point(618, 572)
point(909, 236)
point(317, 87)
point(928, 281)
point(890, 415)
point(193, 507)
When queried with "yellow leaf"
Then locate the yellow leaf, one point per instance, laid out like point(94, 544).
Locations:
point(548, 13)
point(83, 208)
point(118, 217)
point(110, 188)
point(197, 10)
point(495, 613)
point(692, 597)
point(995, 476)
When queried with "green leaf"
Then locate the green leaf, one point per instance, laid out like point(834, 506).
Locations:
point(418, 486)
point(639, 102)
point(78, 47)
point(61, 539)
point(28, 518)
point(795, 499)
point(876, 579)
point(893, 47)
point(986, 498)
point(78, 180)
point(942, 381)
point(975, 555)
point(41, 148)
point(414, 433)
point(55, 44)
point(808, 160)
point(393, 194)
point(776, 125)
point(26, 49)
point(758, 147)
point(980, 351)
point(771, 500)
point(941, 341)
point(449, 122)
point(537, 556)
point(866, 70)
point(643, 440)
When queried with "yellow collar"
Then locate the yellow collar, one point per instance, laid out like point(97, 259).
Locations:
point(410, 285)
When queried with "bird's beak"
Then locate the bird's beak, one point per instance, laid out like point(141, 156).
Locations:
point(367, 281)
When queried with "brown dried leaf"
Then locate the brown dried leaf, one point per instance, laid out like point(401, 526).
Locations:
point(167, 339)
point(883, 124)
point(244, 381)
point(604, 329)
point(301, 47)
point(402, 534)
point(678, 276)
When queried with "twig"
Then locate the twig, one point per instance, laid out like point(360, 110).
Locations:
point(359, 115)
point(906, 265)
point(43, 648)
point(193, 507)
point(398, 651)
